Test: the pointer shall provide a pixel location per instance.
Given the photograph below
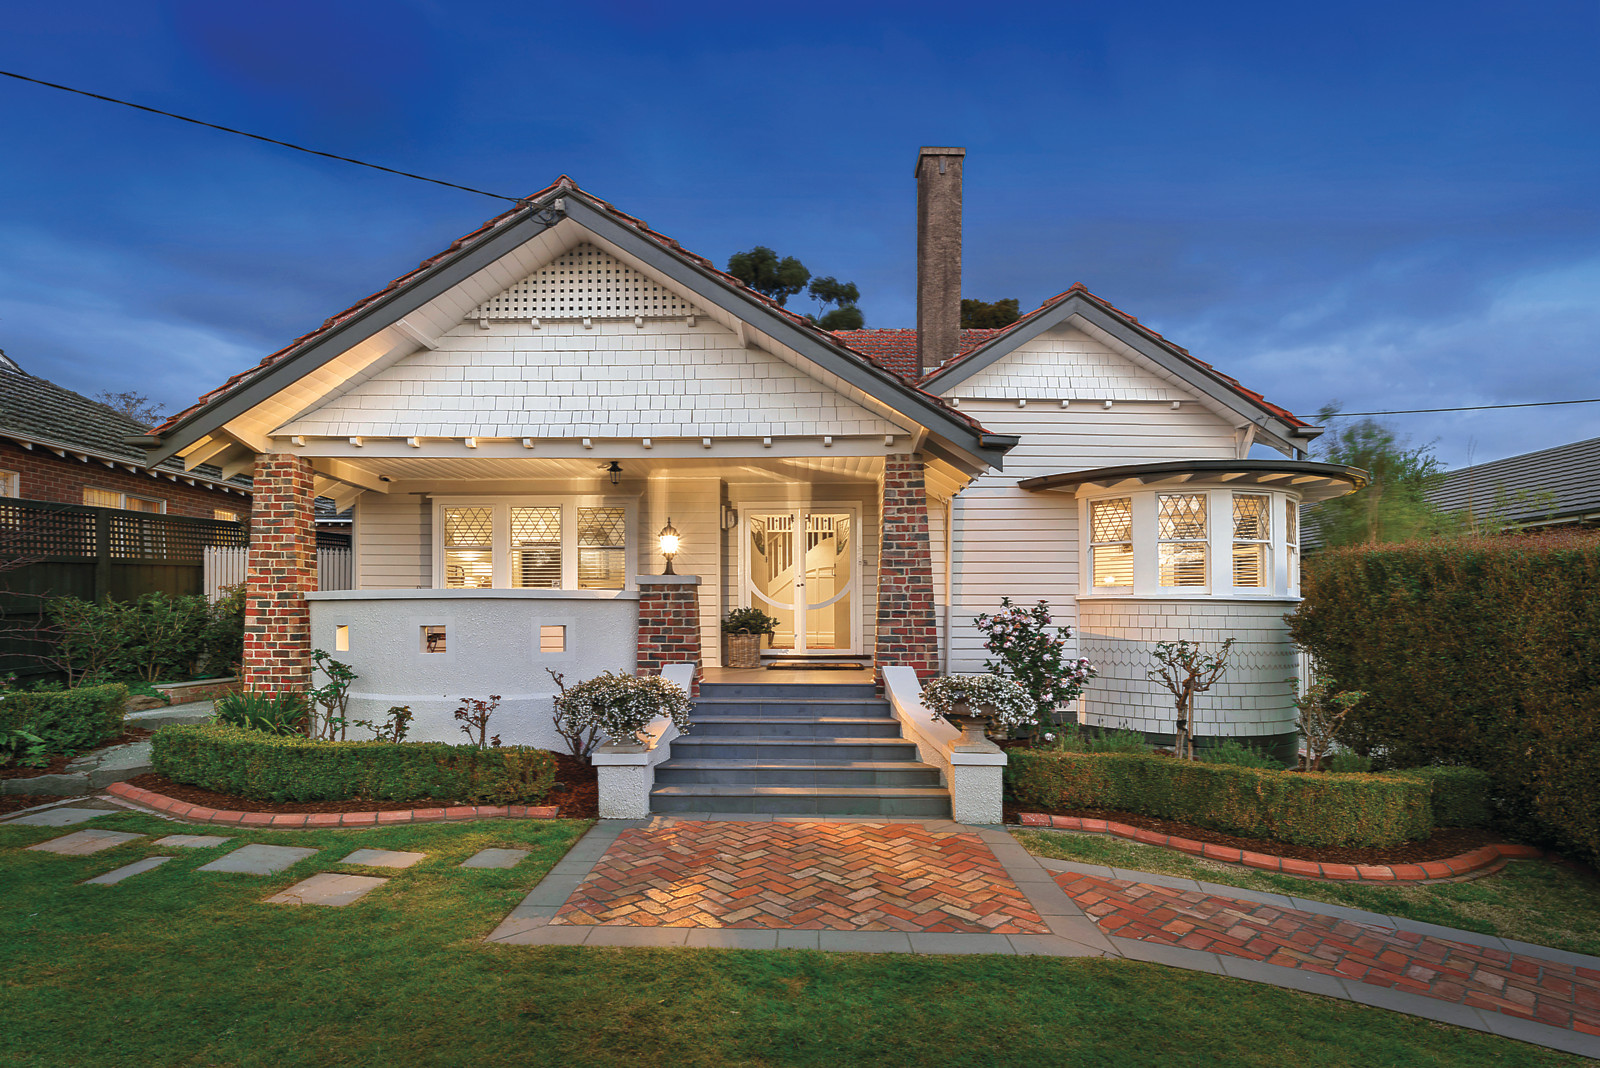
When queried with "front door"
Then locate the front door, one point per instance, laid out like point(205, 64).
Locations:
point(800, 566)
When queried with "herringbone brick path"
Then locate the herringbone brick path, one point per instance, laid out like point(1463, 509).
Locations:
point(1517, 985)
point(801, 876)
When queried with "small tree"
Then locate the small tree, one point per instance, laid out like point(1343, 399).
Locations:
point(581, 735)
point(473, 715)
point(1036, 659)
point(1322, 713)
point(1187, 671)
point(763, 271)
point(333, 697)
point(843, 296)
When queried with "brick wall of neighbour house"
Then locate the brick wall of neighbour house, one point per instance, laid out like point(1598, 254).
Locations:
point(282, 570)
point(669, 626)
point(44, 476)
point(907, 634)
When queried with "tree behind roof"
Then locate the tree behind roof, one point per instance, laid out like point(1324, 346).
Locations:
point(1393, 506)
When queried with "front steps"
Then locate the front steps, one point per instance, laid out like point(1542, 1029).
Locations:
point(797, 749)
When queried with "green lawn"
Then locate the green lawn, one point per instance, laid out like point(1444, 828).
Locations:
point(176, 967)
point(1529, 900)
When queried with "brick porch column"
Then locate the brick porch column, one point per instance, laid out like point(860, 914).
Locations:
point(669, 623)
point(908, 635)
point(283, 569)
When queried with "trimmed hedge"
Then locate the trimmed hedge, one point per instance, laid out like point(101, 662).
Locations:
point(1478, 651)
point(273, 767)
point(1303, 808)
point(67, 720)
point(1460, 796)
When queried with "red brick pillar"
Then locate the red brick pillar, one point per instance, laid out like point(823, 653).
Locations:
point(669, 622)
point(283, 569)
point(908, 635)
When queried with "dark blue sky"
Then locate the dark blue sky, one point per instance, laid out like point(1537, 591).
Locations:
point(1394, 205)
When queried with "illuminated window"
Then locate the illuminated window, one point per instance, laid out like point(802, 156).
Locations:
point(1181, 538)
point(1252, 537)
point(602, 548)
point(145, 504)
point(469, 549)
point(99, 498)
point(224, 514)
point(1111, 541)
point(536, 547)
point(1291, 537)
point(341, 638)
point(10, 484)
point(552, 639)
point(433, 638)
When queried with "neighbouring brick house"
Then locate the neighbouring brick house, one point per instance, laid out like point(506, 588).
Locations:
point(60, 446)
point(515, 421)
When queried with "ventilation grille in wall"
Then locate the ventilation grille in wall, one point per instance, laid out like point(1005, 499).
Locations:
point(584, 283)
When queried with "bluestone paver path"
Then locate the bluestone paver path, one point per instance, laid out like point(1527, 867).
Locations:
point(328, 888)
point(57, 817)
point(82, 843)
point(193, 841)
point(138, 867)
point(259, 859)
point(495, 858)
point(383, 858)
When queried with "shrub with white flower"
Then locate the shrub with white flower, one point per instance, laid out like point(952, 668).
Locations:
point(976, 695)
point(1026, 651)
point(623, 705)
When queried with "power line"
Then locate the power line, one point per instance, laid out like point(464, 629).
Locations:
point(258, 137)
point(1469, 408)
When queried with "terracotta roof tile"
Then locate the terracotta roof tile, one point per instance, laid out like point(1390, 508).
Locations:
point(896, 347)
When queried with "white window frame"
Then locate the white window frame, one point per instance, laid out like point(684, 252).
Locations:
point(500, 526)
point(10, 483)
point(1092, 545)
point(1219, 545)
point(1269, 575)
point(123, 498)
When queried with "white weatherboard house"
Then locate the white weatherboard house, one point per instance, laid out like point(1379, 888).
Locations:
point(517, 420)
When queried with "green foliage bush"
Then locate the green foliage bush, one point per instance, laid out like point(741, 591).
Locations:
point(275, 767)
point(66, 721)
point(1234, 752)
point(1345, 762)
point(1305, 809)
point(156, 638)
point(257, 710)
point(1476, 651)
point(1461, 796)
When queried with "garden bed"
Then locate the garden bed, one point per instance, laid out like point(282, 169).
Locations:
point(581, 798)
point(1445, 842)
point(59, 761)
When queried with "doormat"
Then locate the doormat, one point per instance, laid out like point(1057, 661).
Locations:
point(814, 665)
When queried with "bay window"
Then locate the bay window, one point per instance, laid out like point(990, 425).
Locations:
point(571, 543)
point(1252, 540)
point(1181, 531)
point(1111, 541)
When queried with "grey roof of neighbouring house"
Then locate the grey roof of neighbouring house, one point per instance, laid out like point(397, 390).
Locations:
point(39, 411)
point(1568, 473)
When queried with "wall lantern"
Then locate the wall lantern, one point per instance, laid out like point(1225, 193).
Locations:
point(669, 545)
point(615, 470)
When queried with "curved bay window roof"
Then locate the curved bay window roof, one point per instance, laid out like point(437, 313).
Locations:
point(1196, 528)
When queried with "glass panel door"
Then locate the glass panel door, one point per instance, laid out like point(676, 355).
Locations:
point(803, 564)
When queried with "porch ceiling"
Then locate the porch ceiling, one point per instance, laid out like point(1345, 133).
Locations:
point(476, 469)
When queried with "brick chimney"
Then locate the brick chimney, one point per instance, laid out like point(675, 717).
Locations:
point(938, 255)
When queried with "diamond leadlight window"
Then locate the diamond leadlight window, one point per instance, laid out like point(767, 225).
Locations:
point(469, 548)
point(536, 547)
point(1252, 535)
point(1181, 530)
point(1111, 541)
point(602, 548)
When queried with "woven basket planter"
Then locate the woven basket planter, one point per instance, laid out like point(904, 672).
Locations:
point(744, 651)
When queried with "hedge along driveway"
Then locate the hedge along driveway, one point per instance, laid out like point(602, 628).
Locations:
point(180, 967)
point(1302, 808)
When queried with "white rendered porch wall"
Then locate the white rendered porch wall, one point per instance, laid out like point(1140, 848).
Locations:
point(609, 380)
point(1252, 700)
point(492, 646)
point(1021, 544)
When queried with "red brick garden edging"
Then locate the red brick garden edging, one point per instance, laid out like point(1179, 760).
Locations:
point(201, 814)
point(1448, 868)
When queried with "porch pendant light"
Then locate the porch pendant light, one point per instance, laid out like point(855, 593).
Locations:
point(615, 470)
point(669, 545)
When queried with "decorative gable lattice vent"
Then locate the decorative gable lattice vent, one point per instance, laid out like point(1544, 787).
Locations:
point(584, 283)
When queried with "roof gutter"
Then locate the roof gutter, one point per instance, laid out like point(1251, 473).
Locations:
point(28, 440)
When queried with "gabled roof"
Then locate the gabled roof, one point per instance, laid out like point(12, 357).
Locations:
point(697, 275)
point(1570, 473)
point(1127, 329)
point(39, 412)
point(896, 347)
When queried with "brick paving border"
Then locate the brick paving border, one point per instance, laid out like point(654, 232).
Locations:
point(1072, 932)
point(190, 813)
point(1449, 868)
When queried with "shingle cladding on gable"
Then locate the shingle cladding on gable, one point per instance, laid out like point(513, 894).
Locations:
point(1066, 363)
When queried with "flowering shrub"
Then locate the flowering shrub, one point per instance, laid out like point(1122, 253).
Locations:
point(1026, 650)
point(957, 695)
point(623, 705)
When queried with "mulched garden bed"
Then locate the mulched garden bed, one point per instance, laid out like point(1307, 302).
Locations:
point(59, 761)
point(1445, 842)
point(576, 793)
point(18, 802)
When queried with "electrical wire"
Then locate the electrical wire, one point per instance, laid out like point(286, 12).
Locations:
point(1469, 408)
point(259, 137)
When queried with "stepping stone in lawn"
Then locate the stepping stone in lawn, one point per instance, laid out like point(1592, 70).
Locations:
point(138, 867)
point(495, 858)
point(383, 858)
point(193, 841)
point(59, 817)
point(329, 888)
point(82, 843)
point(259, 859)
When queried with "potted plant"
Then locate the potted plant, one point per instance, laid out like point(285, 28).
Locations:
point(974, 702)
point(621, 706)
point(744, 628)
